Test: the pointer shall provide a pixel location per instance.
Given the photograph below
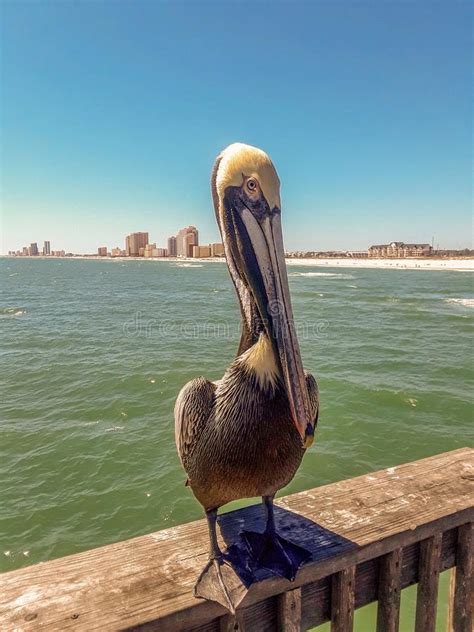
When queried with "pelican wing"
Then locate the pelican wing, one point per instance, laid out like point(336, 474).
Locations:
point(191, 413)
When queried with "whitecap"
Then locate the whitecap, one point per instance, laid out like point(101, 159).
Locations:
point(465, 302)
point(12, 311)
point(188, 265)
point(337, 275)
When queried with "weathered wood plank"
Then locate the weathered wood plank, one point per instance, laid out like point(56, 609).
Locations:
point(231, 623)
point(449, 618)
point(289, 611)
point(147, 582)
point(428, 580)
point(343, 600)
point(315, 596)
point(262, 617)
point(390, 578)
point(463, 598)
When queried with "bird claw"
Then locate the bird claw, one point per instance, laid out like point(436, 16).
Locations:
point(219, 582)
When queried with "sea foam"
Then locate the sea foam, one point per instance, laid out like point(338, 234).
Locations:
point(465, 302)
point(187, 265)
point(12, 311)
point(337, 275)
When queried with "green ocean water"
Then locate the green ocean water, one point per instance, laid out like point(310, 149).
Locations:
point(94, 353)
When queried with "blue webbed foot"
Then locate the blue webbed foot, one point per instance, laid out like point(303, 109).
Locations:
point(278, 555)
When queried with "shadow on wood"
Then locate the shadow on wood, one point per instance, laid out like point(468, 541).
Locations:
point(319, 542)
point(376, 523)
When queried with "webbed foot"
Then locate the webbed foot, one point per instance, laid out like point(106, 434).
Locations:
point(273, 552)
point(219, 582)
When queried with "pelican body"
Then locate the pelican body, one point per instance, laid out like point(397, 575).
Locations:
point(246, 434)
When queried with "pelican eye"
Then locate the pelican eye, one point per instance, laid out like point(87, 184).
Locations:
point(252, 185)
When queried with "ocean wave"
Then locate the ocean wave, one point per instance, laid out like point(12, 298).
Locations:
point(12, 311)
point(465, 302)
point(187, 265)
point(337, 275)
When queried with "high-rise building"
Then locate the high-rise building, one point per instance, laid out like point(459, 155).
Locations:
point(217, 250)
point(46, 248)
point(134, 242)
point(148, 251)
point(185, 240)
point(201, 251)
point(33, 250)
point(172, 252)
point(102, 251)
point(25, 251)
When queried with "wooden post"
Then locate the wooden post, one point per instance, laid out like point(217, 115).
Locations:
point(343, 600)
point(428, 579)
point(145, 583)
point(449, 620)
point(289, 611)
point(231, 623)
point(390, 573)
point(462, 592)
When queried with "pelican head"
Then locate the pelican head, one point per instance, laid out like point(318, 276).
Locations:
point(246, 195)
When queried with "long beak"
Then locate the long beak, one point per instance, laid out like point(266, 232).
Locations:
point(262, 257)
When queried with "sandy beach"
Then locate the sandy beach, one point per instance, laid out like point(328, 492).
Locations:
point(460, 265)
point(463, 265)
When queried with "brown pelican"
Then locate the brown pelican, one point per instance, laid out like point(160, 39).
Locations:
point(246, 434)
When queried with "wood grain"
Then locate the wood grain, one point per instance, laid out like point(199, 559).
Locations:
point(343, 600)
point(146, 583)
point(289, 611)
point(389, 593)
point(428, 580)
point(463, 595)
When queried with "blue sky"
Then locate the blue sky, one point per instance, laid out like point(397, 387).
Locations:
point(113, 113)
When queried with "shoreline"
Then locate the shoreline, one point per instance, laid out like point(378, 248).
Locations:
point(437, 264)
point(459, 265)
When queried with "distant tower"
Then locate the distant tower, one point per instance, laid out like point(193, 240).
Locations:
point(134, 242)
point(47, 248)
point(172, 252)
point(185, 240)
point(33, 249)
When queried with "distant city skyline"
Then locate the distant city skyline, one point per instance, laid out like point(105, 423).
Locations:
point(366, 110)
point(138, 244)
point(438, 244)
point(186, 244)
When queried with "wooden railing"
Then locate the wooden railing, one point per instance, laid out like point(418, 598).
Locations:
point(370, 537)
